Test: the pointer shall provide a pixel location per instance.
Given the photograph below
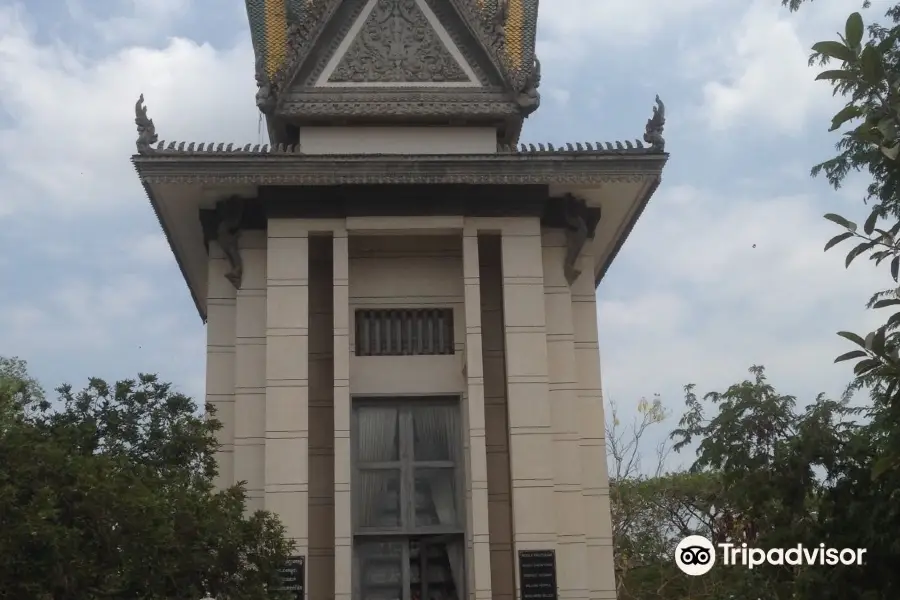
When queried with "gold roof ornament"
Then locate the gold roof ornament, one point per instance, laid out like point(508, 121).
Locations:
point(488, 73)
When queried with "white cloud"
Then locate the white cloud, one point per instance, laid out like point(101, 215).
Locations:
point(756, 72)
point(73, 131)
point(570, 28)
point(140, 20)
point(560, 96)
point(701, 303)
point(150, 249)
point(65, 142)
point(78, 315)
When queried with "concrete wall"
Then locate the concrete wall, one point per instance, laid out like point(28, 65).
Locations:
point(407, 272)
point(398, 140)
point(527, 359)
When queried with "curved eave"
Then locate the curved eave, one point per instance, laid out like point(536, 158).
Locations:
point(627, 226)
point(282, 166)
point(165, 225)
point(178, 184)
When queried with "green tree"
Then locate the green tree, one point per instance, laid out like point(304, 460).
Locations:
point(860, 509)
point(754, 480)
point(111, 496)
point(762, 459)
point(20, 393)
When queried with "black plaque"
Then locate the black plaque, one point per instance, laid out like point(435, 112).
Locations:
point(292, 577)
point(537, 574)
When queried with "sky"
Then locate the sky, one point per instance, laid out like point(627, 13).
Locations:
point(724, 270)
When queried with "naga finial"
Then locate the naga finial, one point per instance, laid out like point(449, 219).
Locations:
point(653, 132)
point(529, 99)
point(145, 128)
point(265, 96)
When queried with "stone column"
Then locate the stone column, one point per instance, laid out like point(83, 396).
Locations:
point(287, 374)
point(250, 371)
point(220, 320)
point(530, 424)
point(565, 413)
point(478, 527)
point(343, 517)
point(595, 477)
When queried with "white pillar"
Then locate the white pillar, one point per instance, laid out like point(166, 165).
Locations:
point(343, 532)
point(250, 371)
point(287, 379)
point(220, 318)
point(530, 424)
point(595, 478)
point(565, 413)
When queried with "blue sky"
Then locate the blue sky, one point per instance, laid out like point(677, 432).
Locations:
point(88, 286)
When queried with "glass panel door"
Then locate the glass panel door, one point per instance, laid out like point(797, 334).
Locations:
point(380, 570)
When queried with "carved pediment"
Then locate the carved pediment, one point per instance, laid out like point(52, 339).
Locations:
point(398, 43)
point(458, 61)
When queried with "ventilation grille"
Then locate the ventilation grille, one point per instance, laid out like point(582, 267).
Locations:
point(404, 332)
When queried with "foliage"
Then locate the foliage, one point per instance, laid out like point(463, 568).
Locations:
point(111, 496)
point(770, 474)
point(860, 509)
point(754, 481)
point(20, 393)
point(651, 509)
point(868, 76)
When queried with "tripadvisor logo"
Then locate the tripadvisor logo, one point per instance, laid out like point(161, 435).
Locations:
point(696, 555)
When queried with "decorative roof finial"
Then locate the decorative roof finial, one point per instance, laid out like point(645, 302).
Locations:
point(653, 132)
point(145, 128)
point(265, 96)
point(529, 99)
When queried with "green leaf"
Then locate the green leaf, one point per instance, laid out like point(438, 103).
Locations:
point(878, 341)
point(872, 68)
point(836, 74)
point(850, 355)
point(887, 128)
point(857, 251)
point(848, 113)
point(834, 50)
point(869, 338)
point(869, 225)
point(882, 466)
point(856, 339)
point(895, 267)
point(893, 321)
point(867, 135)
point(841, 221)
point(884, 303)
point(888, 42)
point(837, 240)
point(864, 366)
point(853, 30)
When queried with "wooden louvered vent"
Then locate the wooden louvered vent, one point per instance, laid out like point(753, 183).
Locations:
point(398, 332)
